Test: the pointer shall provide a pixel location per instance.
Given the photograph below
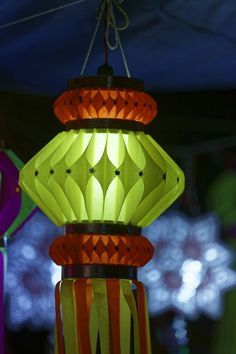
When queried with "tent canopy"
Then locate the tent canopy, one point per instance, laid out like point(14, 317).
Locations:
point(173, 45)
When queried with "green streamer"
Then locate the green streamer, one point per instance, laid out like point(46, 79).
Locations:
point(68, 306)
point(100, 297)
point(129, 297)
point(125, 324)
point(93, 327)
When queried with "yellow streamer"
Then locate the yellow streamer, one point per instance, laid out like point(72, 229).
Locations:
point(100, 296)
point(147, 325)
point(129, 296)
point(93, 327)
point(125, 324)
point(68, 317)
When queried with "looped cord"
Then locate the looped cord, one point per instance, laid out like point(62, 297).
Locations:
point(111, 21)
point(106, 8)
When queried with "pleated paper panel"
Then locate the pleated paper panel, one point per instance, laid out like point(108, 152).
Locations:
point(131, 202)
point(76, 198)
point(116, 148)
point(101, 175)
point(61, 199)
point(49, 149)
point(62, 150)
point(78, 148)
point(114, 192)
point(52, 204)
point(135, 150)
point(94, 206)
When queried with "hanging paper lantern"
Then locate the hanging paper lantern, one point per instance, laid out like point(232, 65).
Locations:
point(190, 269)
point(31, 276)
point(103, 178)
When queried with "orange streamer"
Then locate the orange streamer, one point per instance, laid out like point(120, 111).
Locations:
point(60, 341)
point(82, 317)
point(142, 317)
point(89, 295)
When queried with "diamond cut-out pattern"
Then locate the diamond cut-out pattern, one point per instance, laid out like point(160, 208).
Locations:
point(101, 249)
point(105, 103)
point(102, 176)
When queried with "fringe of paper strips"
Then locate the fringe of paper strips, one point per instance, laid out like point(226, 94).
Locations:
point(100, 314)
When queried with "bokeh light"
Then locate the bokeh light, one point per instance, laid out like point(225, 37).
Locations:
point(31, 275)
point(190, 268)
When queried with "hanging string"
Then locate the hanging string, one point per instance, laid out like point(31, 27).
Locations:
point(111, 22)
point(24, 19)
point(106, 9)
point(104, 37)
point(99, 15)
point(117, 30)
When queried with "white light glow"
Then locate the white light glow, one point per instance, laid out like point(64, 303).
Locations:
point(55, 273)
point(192, 266)
point(32, 276)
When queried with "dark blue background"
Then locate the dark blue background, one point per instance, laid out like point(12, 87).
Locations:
point(172, 44)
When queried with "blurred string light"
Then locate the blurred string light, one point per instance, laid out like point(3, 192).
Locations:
point(31, 276)
point(172, 334)
point(190, 269)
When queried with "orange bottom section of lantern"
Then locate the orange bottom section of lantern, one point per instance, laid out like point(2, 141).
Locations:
point(107, 316)
point(124, 250)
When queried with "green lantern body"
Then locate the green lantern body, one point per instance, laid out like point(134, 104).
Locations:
point(108, 176)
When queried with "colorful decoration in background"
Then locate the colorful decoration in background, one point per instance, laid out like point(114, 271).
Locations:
point(221, 199)
point(15, 206)
point(10, 198)
point(104, 179)
point(190, 268)
point(3, 260)
point(31, 276)
point(224, 331)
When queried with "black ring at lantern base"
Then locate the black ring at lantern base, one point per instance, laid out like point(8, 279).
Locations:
point(105, 81)
point(105, 123)
point(99, 271)
point(103, 228)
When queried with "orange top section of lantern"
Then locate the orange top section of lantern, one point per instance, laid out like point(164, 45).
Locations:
point(113, 103)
